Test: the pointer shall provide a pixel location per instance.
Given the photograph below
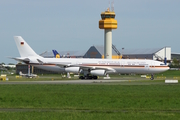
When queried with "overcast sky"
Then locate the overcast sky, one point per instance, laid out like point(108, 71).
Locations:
point(73, 24)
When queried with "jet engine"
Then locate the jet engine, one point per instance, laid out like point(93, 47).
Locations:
point(72, 69)
point(98, 72)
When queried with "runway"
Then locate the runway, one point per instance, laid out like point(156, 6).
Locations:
point(62, 82)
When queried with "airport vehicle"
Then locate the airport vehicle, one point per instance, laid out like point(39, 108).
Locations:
point(91, 68)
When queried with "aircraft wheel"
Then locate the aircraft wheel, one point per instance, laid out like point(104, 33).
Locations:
point(90, 77)
point(81, 77)
point(94, 77)
point(86, 77)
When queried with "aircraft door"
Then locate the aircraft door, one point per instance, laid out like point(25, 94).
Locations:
point(146, 67)
point(122, 64)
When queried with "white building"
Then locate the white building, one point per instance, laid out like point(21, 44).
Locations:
point(151, 53)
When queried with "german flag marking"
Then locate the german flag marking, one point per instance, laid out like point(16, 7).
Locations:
point(22, 43)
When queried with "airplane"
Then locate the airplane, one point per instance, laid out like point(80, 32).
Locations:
point(56, 54)
point(91, 68)
point(2, 68)
point(29, 75)
point(9, 66)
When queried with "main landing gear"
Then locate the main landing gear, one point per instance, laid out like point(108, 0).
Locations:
point(88, 77)
point(152, 77)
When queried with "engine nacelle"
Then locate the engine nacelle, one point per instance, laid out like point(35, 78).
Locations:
point(72, 69)
point(98, 72)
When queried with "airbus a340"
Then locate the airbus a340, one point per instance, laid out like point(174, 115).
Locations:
point(91, 68)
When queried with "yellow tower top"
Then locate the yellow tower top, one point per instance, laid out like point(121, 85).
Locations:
point(108, 20)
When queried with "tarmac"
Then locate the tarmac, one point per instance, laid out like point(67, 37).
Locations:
point(62, 82)
point(93, 82)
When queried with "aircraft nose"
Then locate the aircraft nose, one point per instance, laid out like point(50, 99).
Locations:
point(167, 68)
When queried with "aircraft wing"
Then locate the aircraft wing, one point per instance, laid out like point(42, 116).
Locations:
point(97, 68)
point(85, 67)
point(63, 64)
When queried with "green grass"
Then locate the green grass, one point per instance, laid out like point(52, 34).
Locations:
point(88, 116)
point(170, 73)
point(157, 101)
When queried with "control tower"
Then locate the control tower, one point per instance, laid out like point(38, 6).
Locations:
point(108, 23)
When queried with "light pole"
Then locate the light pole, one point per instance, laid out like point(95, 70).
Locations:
point(122, 52)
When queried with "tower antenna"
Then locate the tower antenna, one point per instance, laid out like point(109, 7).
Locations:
point(112, 5)
point(109, 5)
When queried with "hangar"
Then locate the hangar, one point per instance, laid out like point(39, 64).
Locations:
point(98, 52)
point(151, 53)
point(175, 56)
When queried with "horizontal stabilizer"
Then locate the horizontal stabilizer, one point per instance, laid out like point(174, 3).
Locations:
point(21, 59)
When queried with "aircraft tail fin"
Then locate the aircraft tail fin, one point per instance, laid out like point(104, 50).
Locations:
point(24, 49)
point(56, 54)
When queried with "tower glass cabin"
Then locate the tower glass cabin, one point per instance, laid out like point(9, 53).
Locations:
point(108, 20)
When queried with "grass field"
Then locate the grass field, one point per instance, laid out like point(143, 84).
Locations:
point(99, 101)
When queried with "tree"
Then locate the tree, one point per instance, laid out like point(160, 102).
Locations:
point(175, 63)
